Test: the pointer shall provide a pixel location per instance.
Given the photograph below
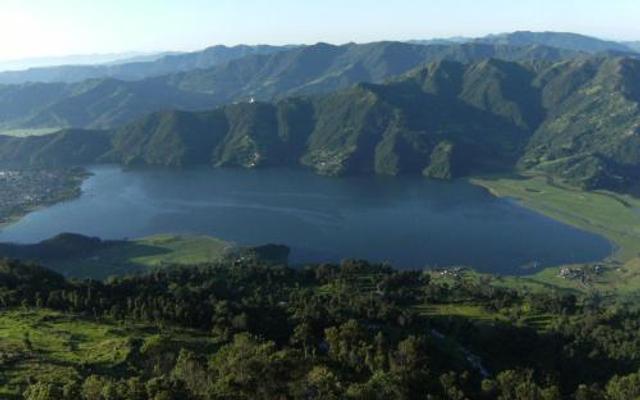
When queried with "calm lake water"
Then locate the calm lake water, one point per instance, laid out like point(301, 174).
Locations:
point(410, 221)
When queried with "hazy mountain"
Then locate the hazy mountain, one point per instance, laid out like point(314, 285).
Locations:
point(132, 66)
point(85, 59)
point(65, 148)
point(562, 40)
point(94, 103)
point(445, 41)
point(635, 46)
point(321, 68)
point(136, 68)
point(578, 120)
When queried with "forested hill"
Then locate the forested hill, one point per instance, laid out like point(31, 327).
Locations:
point(351, 331)
point(578, 120)
point(321, 68)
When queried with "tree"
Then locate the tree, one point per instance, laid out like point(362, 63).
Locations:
point(321, 384)
point(248, 368)
point(520, 385)
point(624, 387)
point(381, 386)
point(43, 391)
point(93, 386)
point(348, 344)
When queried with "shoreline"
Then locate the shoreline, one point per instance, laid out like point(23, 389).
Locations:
point(74, 191)
point(610, 215)
point(15, 218)
point(557, 214)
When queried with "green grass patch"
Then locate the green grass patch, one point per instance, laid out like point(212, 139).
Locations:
point(141, 255)
point(470, 311)
point(43, 345)
point(182, 250)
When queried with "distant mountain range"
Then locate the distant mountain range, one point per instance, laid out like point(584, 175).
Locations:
point(635, 46)
point(577, 119)
point(317, 69)
point(561, 40)
point(138, 67)
point(85, 59)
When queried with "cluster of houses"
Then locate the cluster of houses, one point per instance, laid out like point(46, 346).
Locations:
point(582, 273)
point(453, 272)
point(21, 191)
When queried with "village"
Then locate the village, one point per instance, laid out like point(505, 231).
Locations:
point(24, 190)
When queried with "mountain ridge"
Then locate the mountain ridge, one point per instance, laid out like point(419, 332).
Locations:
point(136, 68)
point(578, 120)
point(317, 69)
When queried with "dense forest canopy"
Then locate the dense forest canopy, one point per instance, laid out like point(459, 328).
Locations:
point(353, 330)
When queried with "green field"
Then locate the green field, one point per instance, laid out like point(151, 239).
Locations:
point(611, 215)
point(143, 254)
point(48, 346)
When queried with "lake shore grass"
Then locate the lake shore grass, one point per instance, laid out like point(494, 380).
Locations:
point(613, 216)
point(145, 254)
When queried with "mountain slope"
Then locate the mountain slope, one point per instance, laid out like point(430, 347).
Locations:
point(592, 134)
point(578, 120)
point(65, 148)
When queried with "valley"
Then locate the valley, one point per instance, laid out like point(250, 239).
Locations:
point(441, 219)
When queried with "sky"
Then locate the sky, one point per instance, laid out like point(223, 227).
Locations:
point(44, 28)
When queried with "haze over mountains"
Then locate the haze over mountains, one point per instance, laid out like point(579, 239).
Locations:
point(321, 68)
point(22, 64)
point(132, 67)
point(138, 67)
point(562, 104)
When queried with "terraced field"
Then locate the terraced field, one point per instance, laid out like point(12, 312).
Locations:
point(47, 346)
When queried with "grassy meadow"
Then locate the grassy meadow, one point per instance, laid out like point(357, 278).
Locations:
point(144, 254)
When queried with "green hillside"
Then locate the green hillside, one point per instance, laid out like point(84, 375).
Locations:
point(577, 120)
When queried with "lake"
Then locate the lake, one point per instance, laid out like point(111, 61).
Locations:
point(408, 221)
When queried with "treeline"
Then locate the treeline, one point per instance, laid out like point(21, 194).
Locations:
point(354, 331)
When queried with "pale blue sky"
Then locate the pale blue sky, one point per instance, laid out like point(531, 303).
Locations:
point(34, 28)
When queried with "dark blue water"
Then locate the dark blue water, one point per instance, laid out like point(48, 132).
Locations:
point(410, 222)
